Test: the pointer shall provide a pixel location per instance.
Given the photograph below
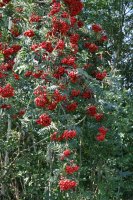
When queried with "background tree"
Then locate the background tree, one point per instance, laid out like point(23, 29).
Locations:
point(32, 158)
point(116, 19)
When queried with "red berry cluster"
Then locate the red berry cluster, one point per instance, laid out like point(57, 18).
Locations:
point(92, 111)
point(44, 120)
point(8, 52)
point(71, 169)
point(15, 31)
point(66, 135)
point(7, 91)
point(101, 75)
point(4, 2)
point(66, 184)
point(5, 106)
point(29, 33)
point(75, 6)
point(34, 18)
point(55, 8)
point(96, 28)
point(43, 101)
point(102, 133)
point(7, 74)
point(66, 153)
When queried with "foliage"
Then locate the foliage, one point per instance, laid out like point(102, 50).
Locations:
point(56, 100)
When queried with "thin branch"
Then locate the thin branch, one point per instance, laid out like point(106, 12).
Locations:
point(21, 152)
